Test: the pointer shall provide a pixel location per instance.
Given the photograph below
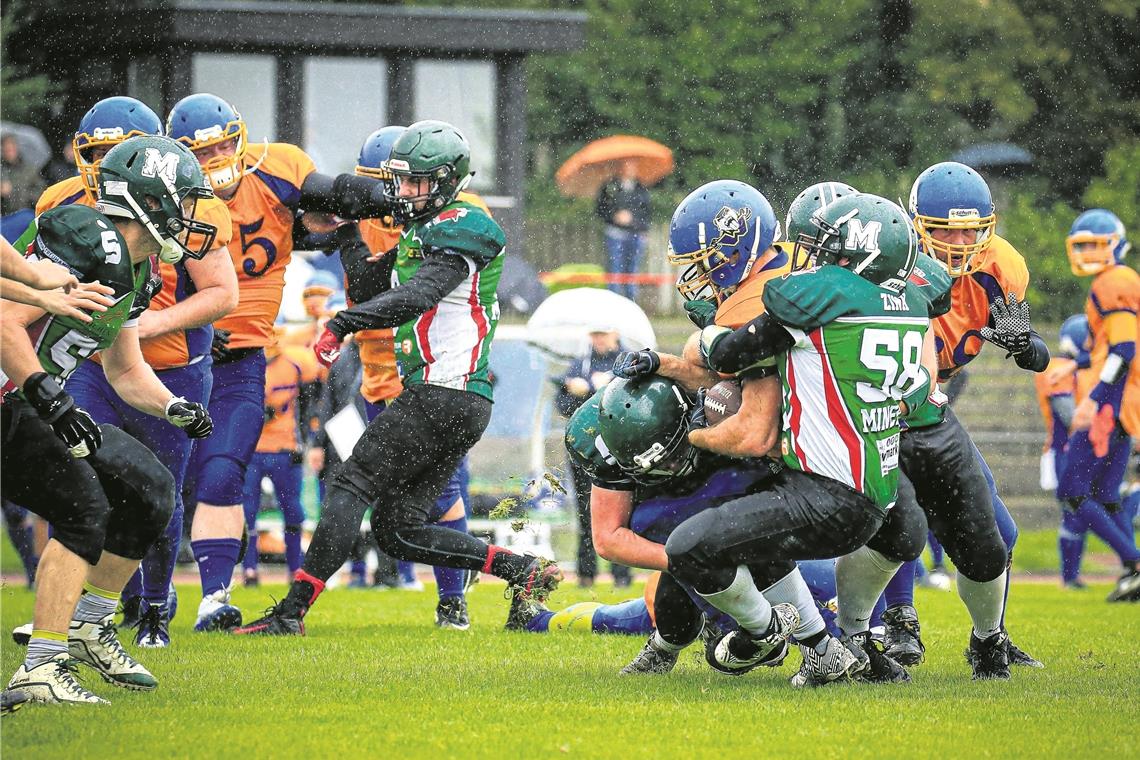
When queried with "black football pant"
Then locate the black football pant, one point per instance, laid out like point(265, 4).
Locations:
point(399, 467)
point(119, 499)
point(676, 615)
point(950, 488)
point(902, 536)
point(797, 516)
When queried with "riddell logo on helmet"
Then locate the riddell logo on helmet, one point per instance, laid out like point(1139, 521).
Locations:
point(107, 133)
point(397, 163)
point(963, 213)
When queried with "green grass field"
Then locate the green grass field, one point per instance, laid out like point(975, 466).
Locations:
point(374, 677)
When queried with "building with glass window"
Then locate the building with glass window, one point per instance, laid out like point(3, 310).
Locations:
point(320, 75)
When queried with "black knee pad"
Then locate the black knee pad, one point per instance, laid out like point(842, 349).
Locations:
point(902, 536)
point(764, 574)
point(84, 529)
point(678, 618)
point(984, 560)
point(689, 562)
point(140, 490)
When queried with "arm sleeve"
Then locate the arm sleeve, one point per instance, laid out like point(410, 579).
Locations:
point(440, 274)
point(346, 195)
point(366, 279)
point(741, 349)
point(1036, 357)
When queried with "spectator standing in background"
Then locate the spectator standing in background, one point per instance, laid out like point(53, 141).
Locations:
point(584, 377)
point(21, 183)
point(623, 205)
point(62, 165)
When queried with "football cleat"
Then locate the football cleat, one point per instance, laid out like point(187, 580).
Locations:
point(522, 611)
point(12, 700)
point(451, 612)
point(53, 681)
point(827, 662)
point(878, 667)
point(1127, 588)
point(153, 631)
point(737, 652)
point(537, 581)
point(22, 634)
point(414, 584)
point(215, 613)
point(252, 580)
point(1018, 656)
point(276, 622)
point(97, 645)
point(989, 657)
point(903, 642)
point(132, 609)
point(651, 660)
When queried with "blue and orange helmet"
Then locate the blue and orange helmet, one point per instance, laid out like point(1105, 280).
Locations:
point(1095, 242)
point(1076, 340)
point(201, 120)
point(952, 196)
point(376, 150)
point(108, 123)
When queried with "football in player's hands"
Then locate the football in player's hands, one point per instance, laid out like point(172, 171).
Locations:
point(723, 400)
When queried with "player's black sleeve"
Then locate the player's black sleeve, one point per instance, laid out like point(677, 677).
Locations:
point(760, 339)
point(440, 274)
point(1036, 357)
point(346, 195)
point(366, 279)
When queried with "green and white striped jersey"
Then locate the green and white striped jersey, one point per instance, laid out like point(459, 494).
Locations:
point(857, 353)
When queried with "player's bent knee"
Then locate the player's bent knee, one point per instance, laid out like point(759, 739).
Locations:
point(687, 560)
point(221, 481)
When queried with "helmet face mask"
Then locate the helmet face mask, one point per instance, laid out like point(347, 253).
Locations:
point(643, 425)
point(157, 182)
point(1095, 242)
point(203, 121)
point(108, 123)
point(864, 233)
point(716, 234)
point(811, 199)
point(430, 165)
point(951, 197)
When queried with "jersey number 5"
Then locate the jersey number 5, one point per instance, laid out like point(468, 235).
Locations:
point(895, 384)
point(249, 263)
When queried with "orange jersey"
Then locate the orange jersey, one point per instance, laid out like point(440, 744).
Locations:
point(957, 333)
point(181, 347)
point(285, 373)
point(1112, 309)
point(262, 212)
point(1047, 390)
point(747, 302)
point(377, 349)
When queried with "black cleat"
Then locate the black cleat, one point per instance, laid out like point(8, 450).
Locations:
point(132, 609)
point(153, 630)
point(537, 581)
point(651, 660)
point(989, 657)
point(522, 611)
point(880, 667)
point(277, 622)
point(1018, 656)
point(12, 700)
point(451, 612)
point(1127, 588)
point(903, 641)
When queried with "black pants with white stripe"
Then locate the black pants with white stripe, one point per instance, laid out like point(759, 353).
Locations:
point(399, 467)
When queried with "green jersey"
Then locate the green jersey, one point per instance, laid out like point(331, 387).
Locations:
point(857, 353)
point(450, 344)
point(86, 242)
point(933, 283)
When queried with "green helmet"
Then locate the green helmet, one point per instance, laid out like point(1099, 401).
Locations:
point(431, 150)
point(585, 446)
point(158, 182)
point(810, 200)
point(644, 424)
point(869, 235)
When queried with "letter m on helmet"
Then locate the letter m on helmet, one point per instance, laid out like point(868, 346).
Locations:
point(160, 164)
point(863, 238)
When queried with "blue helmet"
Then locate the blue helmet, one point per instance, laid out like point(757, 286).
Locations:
point(1096, 241)
point(953, 197)
point(717, 233)
point(377, 149)
point(1075, 339)
point(201, 120)
point(108, 123)
point(321, 281)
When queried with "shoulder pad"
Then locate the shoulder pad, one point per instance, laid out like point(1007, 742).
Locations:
point(465, 229)
point(1007, 266)
point(86, 242)
point(283, 160)
point(1115, 289)
point(811, 298)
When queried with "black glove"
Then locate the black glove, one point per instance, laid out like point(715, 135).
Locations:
point(296, 457)
point(697, 419)
point(57, 408)
point(1112, 507)
point(190, 416)
point(268, 413)
point(700, 313)
point(220, 350)
point(631, 364)
point(1011, 325)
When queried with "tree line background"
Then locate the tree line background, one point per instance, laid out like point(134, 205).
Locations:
point(868, 92)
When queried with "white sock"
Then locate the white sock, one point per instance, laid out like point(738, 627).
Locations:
point(743, 602)
point(791, 589)
point(664, 645)
point(860, 578)
point(984, 601)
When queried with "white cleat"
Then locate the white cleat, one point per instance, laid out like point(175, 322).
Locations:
point(215, 613)
point(828, 662)
point(53, 682)
point(97, 645)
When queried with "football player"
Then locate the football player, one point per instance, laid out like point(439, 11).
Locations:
point(954, 214)
point(1058, 390)
point(107, 497)
point(175, 334)
point(849, 333)
point(1104, 419)
point(261, 187)
point(440, 297)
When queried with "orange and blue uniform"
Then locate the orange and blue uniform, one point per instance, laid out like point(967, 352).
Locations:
point(381, 379)
point(746, 302)
point(262, 212)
